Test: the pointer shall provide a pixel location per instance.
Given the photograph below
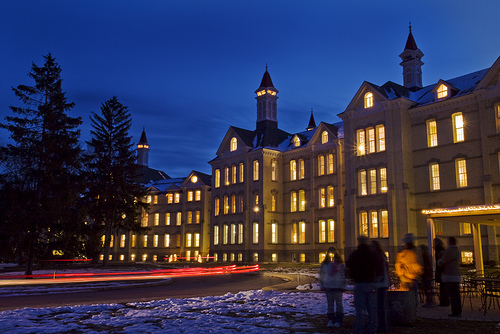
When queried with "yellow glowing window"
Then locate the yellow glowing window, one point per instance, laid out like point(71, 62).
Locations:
point(331, 197)
point(190, 217)
point(226, 176)
point(322, 231)
point(380, 138)
point(293, 170)
point(442, 91)
point(331, 230)
point(122, 240)
point(179, 218)
point(274, 233)
point(362, 183)
point(170, 198)
point(167, 218)
point(226, 204)
point(467, 257)
point(274, 170)
point(216, 235)
point(190, 196)
point(157, 219)
point(384, 224)
point(368, 100)
point(302, 200)
point(330, 167)
point(255, 234)
point(233, 203)
point(302, 232)
point(361, 140)
point(458, 127)
point(434, 176)
point(260, 93)
point(293, 201)
point(465, 228)
point(374, 223)
point(373, 181)
point(198, 195)
point(461, 168)
point(155, 240)
point(301, 169)
point(216, 206)
point(256, 170)
point(363, 224)
point(197, 216)
point(322, 197)
point(177, 197)
point(296, 142)
point(217, 178)
point(383, 179)
point(324, 137)
point(432, 139)
point(371, 139)
point(234, 171)
point(133, 240)
point(273, 202)
point(167, 240)
point(145, 241)
point(234, 144)
point(321, 165)
point(294, 236)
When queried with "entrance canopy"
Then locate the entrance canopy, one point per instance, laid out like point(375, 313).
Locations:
point(477, 215)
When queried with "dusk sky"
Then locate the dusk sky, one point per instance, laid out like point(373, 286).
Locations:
point(187, 70)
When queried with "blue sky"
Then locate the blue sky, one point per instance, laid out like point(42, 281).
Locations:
point(188, 70)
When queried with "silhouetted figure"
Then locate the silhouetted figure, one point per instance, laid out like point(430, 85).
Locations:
point(451, 276)
point(332, 280)
point(426, 275)
point(407, 266)
point(382, 283)
point(438, 253)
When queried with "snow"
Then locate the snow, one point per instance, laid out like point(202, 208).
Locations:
point(254, 311)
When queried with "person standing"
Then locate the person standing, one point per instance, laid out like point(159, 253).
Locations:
point(426, 275)
point(451, 276)
point(332, 280)
point(382, 283)
point(438, 253)
point(407, 266)
point(361, 267)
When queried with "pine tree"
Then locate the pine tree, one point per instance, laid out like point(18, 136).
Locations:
point(41, 167)
point(115, 197)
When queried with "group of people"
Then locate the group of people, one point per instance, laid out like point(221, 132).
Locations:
point(368, 268)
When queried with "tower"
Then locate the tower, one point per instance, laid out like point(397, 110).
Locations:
point(312, 122)
point(412, 65)
point(143, 150)
point(266, 103)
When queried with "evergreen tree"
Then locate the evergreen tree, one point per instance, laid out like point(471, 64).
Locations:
point(115, 197)
point(41, 168)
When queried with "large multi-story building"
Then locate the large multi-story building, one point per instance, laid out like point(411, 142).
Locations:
point(406, 158)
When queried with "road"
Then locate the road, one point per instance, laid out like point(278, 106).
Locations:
point(181, 287)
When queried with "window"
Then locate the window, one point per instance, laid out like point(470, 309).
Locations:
point(461, 170)
point(233, 176)
point(294, 237)
point(234, 144)
point(293, 170)
point(242, 169)
point(226, 205)
point(301, 169)
point(197, 217)
point(255, 233)
point(274, 233)
point(380, 138)
point(331, 230)
point(370, 133)
point(240, 233)
point(324, 137)
point(384, 224)
point(197, 195)
point(383, 179)
point(233, 203)
point(465, 229)
point(157, 219)
point(155, 199)
point(240, 200)
point(155, 240)
point(302, 200)
point(274, 257)
point(256, 170)
point(190, 196)
point(321, 165)
point(134, 239)
point(439, 227)
point(145, 241)
point(330, 164)
point(170, 198)
point(296, 141)
point(373, 181)
point(362, 183)
point(122, 240)
point(216, 206)
point(322, 231)
point(497, 116)
point(274, 170)
point(331, 198)
point(145, 218)
point(302, 233)
point(434, 176)
point(225, 234)
point(233, 234)
point(322, 197)
point(167, 240)
point(148, 199)
point(179, 218)
point(360, 142)
point(216, 235)
point(368, 100)
point(177, 197)
point(432, 139)
point(363, 223)
point(196, 240)
point(458, 127)
point(217, 178)
point(190, 217)
point(374, 224)
point(226, 176)
point(273, 202)
point(442, 91)
point(467, 257)
point(293, 201)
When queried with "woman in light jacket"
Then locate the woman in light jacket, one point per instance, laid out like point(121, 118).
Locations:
point(332, 280)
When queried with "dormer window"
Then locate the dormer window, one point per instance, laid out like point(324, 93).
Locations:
point(368, 100)
point(234, 144)
point(324, 137)
point(442, 91)
point(296, 141)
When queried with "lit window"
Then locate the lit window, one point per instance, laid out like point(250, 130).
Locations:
point(133, 240)
point(145, 241)
point(226, 205)
point(274, 257)
point(374, 223)
point(242, 175)
point(331, 230)
point(217, 178)
point(190, 196)
point(465, 229)
point(145, 219)
point(383, 179)
point(373, 181)
point(111, 240)
point(294, 236)
point(167, 240)
point(293, 170)
point(293, 201)
point(197, 195)
point(273, 202)
point(442, 91)
point(197, 215)
point(362, 183)
point(233, 203)
point(302, 232)
point(384, 224)
point(170, 198)
point(432, 139)
point(177, 197)
point(322, 197)
point(233, 234)
point(240, 208)
point(370, 133)
point(157, 219)
point(360, 138)
point(196, 240)
point(155, 199)
point(225, 234)
point(302, 257)
point(190, 217)
point(330, 164)
point(296, 141)
point(255, 257)
point(497, 116)
point(324, 137)
point(467, 257)
point(179, 218)
point(368, 100)
point(434, 176)
point(240, 233)
point(322, 231)
point(216, 235)
point(458, 127)
point(234, 144)
point(274, 233)
point(331, 197)
point(274, 170)
point(302, 200)
point(148, 199)
point(380, 138)
point(122, 240)
point(155, 240)
point(256, 170)
point(321, 165)
point(226, 176)
point(233, 178)
point(301, 169)
point(461, 169)
point(439, 227)
point(255, 233)
point(216, 206)
point(363, 223)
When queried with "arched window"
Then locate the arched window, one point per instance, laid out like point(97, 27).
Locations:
point(296, 142)
point(368, 100)
point(234, 144)
point(324, 137)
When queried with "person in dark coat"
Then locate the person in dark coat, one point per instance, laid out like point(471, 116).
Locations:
point(438, 253)
point(382, 284)
point(451, 275)
point(426, 275)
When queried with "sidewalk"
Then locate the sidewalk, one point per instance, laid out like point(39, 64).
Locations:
point(468, 313)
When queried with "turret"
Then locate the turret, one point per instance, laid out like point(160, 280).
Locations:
point(412, 65)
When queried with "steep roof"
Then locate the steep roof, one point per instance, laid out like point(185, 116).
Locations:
point(146, 175)
point(410, 42)
point(266, 80)
point(143, 139)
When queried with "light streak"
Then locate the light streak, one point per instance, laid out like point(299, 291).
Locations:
point(463, 209)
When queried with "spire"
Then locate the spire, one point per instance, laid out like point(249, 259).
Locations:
point(312, 123)
point(143, 150)
point(266, 103)
point(412, 63)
